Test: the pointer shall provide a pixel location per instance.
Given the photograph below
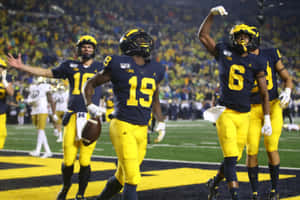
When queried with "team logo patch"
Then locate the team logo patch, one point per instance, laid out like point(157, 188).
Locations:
point(227, 53)
point(124, 65)
point(73, 65)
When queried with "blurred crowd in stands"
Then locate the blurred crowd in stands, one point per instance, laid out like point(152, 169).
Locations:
point(45, 33)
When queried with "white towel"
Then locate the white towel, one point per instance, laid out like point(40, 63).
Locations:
point(212, 114)
point(81, 118)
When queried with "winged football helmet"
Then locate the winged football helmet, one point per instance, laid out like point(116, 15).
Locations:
point(251, 31)
point(136, 42)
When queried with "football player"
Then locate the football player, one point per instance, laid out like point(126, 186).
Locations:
point(22, 110)
point(77, 72)
point(277, 102)
point(135, 78)
point(238, 70)
point(39, 97)
point(60, 97)
point(6, 89)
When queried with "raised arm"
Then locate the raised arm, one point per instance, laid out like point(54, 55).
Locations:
point(18, 64)
point(205, 27)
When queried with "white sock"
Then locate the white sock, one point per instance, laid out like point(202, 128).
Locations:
point(60, 135)
point(45, 141)
point(55, 132)
point(39, 141)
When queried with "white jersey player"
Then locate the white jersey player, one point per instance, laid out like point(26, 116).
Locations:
point(39, 96)
point(60, 98)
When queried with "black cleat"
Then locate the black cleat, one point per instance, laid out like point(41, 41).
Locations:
point(212, 190)
point(273, 195)
point(63, 193)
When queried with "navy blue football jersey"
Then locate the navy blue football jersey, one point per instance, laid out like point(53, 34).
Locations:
point(3, 95)
point(237, 75)
point(133, 87)
point(77, 74)
point(272, 56)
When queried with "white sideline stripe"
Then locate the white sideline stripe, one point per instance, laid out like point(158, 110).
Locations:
point(158, 160)
point(184, 145)
point(209, 147)
point(185, 125)
point(215, 143)
point(27, 139)
point(25, 133)
point(98, 149)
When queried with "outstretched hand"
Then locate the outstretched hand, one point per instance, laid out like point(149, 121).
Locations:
point(15, 62)
point(219, 10)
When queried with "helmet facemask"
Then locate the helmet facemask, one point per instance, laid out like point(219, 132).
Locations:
point(241, 46)
point(136, 42)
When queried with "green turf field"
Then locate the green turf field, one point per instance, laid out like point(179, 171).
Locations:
point(185, 140)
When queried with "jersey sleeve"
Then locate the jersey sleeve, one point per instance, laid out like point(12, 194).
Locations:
point(219, 48)
point(260, 64)
point(161, 74)
point(107, 63)
point(276, 55)
point(60, 71)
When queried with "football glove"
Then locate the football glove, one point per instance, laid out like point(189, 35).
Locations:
point(267, 127)
point(161, 129)
point(95, 111)
point(4, 81)
point(219, 10)
point(285, 97)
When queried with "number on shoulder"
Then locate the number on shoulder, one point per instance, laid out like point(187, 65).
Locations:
point(107, 60)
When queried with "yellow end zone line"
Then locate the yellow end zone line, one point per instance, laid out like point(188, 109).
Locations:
point(167, 178)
